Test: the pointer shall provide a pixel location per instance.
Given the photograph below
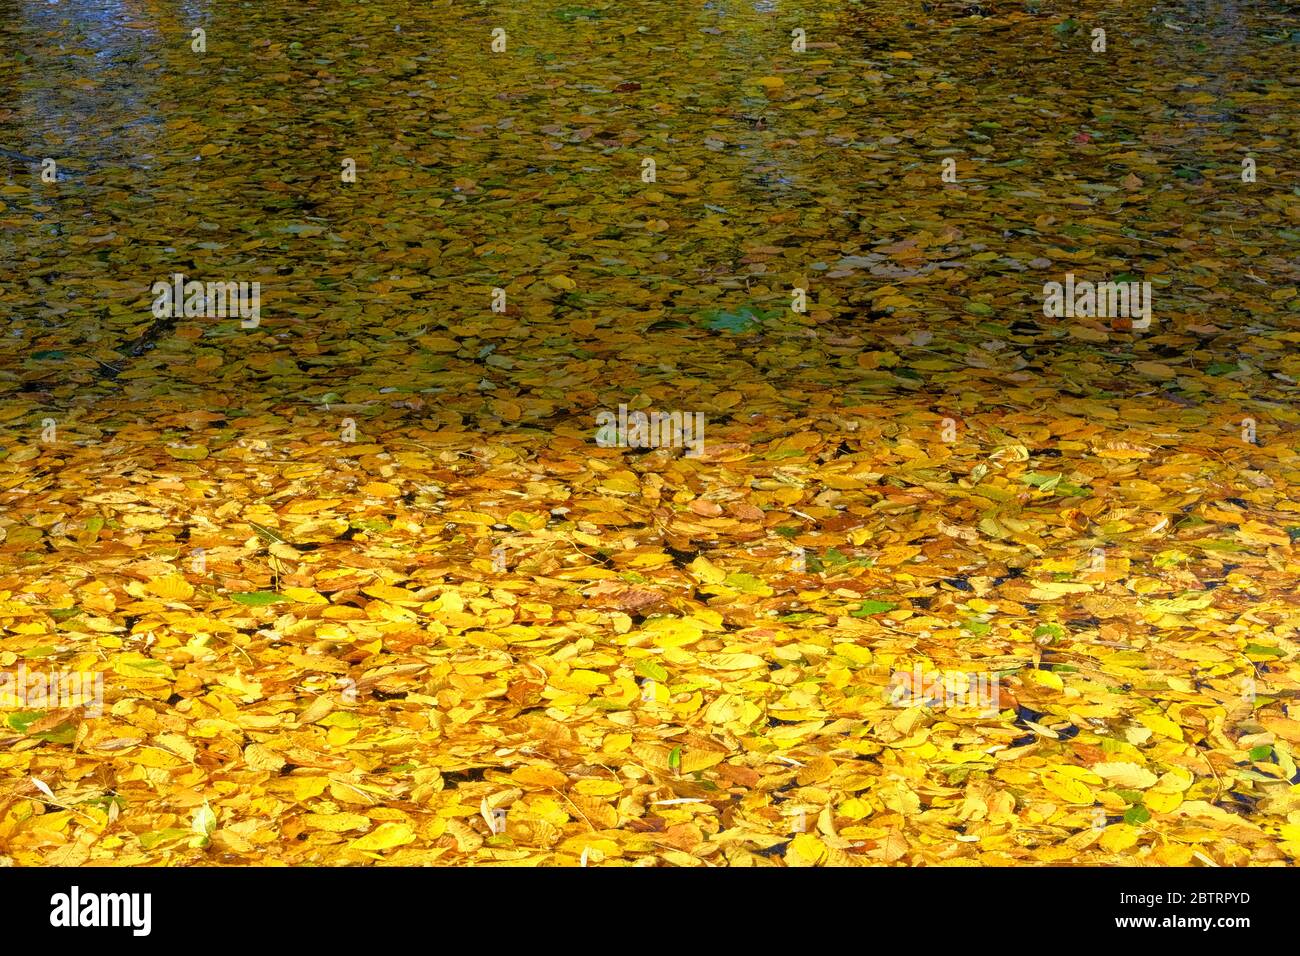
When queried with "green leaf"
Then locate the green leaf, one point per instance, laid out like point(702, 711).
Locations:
point(1137, 815)
point(872, 607)
point(22, 719)
point(257, 598)
point(64, 733)
point(651, 669)
point(1051, 633)
point(267, 534)
point(136, 665)
point(747, 584)
point(746, 320)
point(1039, 481)
point(1210, 544)
point(1262, 650)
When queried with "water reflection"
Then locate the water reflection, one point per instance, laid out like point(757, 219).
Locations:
point(211, 158)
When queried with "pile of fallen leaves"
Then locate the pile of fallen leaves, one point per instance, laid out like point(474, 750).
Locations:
point(362, 586)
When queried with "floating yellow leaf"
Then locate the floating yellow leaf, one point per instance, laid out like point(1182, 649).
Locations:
point(1127, 775)
point(384, 837)
point(172, 587)
point(805, 850)
point(533, 776)
point(1066, 788)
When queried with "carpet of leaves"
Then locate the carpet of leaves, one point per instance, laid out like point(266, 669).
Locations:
point(471, 635)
